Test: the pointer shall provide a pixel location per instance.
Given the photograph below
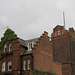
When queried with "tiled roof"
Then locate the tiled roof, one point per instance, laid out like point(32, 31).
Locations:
point(26, 52)
point(22, 42)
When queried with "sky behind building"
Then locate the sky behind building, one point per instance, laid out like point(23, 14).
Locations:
point(29, 18)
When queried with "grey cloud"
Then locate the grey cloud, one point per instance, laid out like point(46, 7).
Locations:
point(29, 18)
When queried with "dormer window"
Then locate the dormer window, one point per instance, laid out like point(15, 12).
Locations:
point(30, 45)
point(5, 47)
point(58, 32)
point(10, 46)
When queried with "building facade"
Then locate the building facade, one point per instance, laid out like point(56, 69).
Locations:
point(19, 56)
point(10, 60)
point(63, 42)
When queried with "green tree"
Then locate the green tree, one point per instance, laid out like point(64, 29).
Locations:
point(8, 35)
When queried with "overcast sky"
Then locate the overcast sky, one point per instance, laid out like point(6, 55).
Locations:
point(29, 18)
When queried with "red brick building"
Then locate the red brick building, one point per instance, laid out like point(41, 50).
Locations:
point(64, 48)
point(20, 56)
point(11, 56)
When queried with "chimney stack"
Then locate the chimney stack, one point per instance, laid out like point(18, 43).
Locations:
point(71, 31)
point(45, 33)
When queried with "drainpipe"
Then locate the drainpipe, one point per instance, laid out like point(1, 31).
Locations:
point(32, 63)
point(21, 65)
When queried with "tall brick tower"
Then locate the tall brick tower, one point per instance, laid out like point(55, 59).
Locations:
point(64, 48)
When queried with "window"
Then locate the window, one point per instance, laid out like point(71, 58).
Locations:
point(24, 64)
point(62, 31)
point(58, 32)
point(5, 47)
point(3, 66)
point(10, 47)
point(55, 33)
point(9, 65)
point(30, 45)
point(28, 65)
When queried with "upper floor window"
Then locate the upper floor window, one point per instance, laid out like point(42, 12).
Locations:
point(55, 33)
point(3, 66)
point(58, 32)
point(28, 64)
point(62, 31)
point(9, 65)
point(30, 45)
point(24, 64)
point(5, 47)
point(10, 46)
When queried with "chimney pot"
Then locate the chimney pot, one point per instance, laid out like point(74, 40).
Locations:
point(45, 33)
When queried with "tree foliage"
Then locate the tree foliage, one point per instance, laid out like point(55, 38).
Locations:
point(8, 35)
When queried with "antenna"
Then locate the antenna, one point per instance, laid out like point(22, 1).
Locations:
point(64, 19)
point(6, 27)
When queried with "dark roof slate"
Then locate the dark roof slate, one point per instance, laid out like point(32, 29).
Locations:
point(27, 52)
point(22, 42)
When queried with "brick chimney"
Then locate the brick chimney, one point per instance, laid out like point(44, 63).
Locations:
point(45, 33)
point(71, 31)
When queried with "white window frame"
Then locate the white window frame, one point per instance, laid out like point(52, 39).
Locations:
point(30, 45)
point(3, 66)
point(24, 65)
point(10, 46)
point(33, 43)
point(28, 64)
point(9, 64)
point(5, 47)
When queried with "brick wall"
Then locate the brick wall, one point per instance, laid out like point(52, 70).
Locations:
point(64, 51)
point(67, 69)
point(43, 54)
point(57, 68)
point(61, 51)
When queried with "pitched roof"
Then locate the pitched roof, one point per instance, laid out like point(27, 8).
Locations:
point(26, 52)
point(22, 42)
point(58, 27)
point(32, 40)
